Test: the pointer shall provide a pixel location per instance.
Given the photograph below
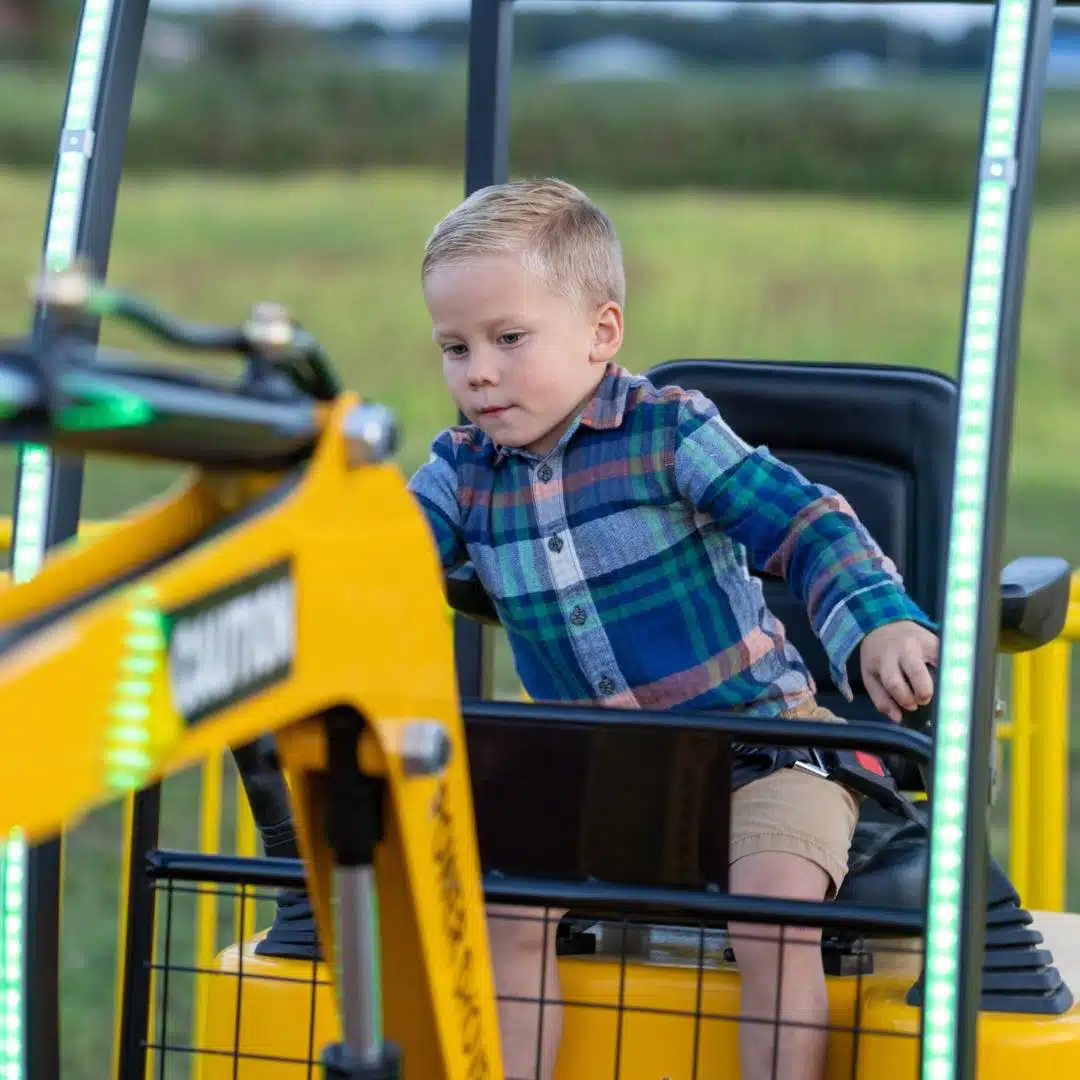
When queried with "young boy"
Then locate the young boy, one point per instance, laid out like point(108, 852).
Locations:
point(612, 523)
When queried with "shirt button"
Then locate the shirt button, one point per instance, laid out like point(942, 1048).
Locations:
point(606, 686)
point(578, 616)
point(555, 544)
point(544, 472)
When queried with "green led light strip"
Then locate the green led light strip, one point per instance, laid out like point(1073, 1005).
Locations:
point(957, 669)
point(35, 469)
point(61, 232)
point(12, 876)
point(128, 753)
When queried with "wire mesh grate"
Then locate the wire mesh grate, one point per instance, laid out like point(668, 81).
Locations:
point(637, 999)
point(628, 999)
point(220, 1016)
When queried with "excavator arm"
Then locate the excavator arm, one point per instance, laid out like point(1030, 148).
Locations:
point(298, 595)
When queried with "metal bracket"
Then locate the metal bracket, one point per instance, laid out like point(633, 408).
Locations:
point(998, 168)
point(817, 768)
point(77, 141)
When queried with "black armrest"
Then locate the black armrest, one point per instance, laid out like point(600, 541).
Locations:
point(467, 597)
point(1034, 602)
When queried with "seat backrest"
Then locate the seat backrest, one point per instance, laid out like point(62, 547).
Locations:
point(881, 436)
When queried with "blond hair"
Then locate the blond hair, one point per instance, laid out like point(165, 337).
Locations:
point(563, 237)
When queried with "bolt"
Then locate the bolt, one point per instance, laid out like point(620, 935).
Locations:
point(370, 434)
point(65, 291)
point(425, 748)
point(269, 327)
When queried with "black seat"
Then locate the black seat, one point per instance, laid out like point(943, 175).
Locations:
point(881, 436)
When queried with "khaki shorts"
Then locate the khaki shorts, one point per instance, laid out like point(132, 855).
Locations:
point(798, 813)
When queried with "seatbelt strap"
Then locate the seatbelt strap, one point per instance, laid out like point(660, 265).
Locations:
point(862, 772)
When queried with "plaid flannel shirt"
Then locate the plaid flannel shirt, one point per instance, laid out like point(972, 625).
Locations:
point(619, 561)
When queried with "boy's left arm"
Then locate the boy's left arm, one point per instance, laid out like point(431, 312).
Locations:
point(809, 535)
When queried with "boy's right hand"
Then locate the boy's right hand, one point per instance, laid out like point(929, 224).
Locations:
point(896, 661)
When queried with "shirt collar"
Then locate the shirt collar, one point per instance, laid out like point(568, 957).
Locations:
point(604, 411)
point(607, 406)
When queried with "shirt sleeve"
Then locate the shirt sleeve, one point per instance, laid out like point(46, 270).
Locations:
point(434, 486)
point(805, 533)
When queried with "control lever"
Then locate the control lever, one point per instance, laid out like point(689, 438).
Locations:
point(270, 339)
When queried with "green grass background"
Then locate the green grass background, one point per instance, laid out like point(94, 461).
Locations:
point(710, 274)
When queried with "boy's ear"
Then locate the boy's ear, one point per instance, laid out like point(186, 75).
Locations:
point(607, 333)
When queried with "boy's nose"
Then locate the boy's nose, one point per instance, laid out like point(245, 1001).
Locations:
point(482, 370)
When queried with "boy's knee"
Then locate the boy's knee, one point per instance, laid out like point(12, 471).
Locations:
point(521, 940)
point(761, 948)
point(512, 925)
point(521, 929)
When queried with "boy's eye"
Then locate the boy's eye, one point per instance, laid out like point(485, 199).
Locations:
point(512, 338)
point(453, 350)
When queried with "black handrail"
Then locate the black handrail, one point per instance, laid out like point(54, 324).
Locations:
point(661, 904)
point(883, 738)
point(196, 866)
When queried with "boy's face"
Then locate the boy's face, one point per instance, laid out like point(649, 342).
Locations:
point(519, 360)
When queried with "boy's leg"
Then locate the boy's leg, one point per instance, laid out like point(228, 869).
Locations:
point(522, 942)
point(791, 832)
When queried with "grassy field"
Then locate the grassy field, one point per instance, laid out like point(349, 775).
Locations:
point(709, 275)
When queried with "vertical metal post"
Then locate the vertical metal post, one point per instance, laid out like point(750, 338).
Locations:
point(41, 961)
point(487, 161)
point(1001, 216)
point(137, 948)
point(361, 988)
point(1049, 810)
point(48, 491)
point(487, 120)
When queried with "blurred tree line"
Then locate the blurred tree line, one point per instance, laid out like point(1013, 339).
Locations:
point(249, 34)
point(743, 38)
point(38, 32)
